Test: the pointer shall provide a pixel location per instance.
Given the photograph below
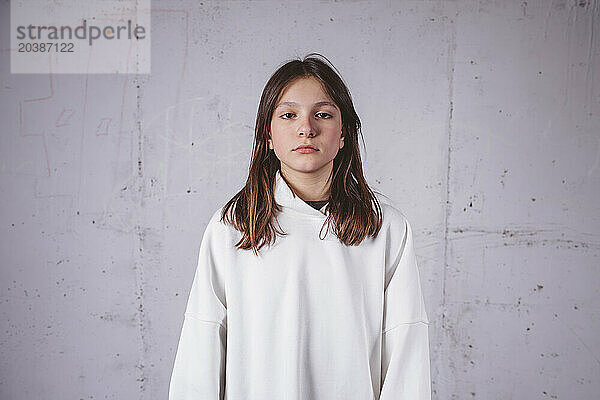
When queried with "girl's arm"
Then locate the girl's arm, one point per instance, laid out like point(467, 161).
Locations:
point(199, 368)
point(405, 366)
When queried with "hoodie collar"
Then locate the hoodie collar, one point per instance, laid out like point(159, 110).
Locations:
point(285, 197)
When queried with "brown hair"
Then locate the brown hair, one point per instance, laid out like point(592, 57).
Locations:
point(353, 207)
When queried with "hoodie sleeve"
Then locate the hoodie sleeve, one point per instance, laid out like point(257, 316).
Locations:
point(405, 366)
point(199, 367)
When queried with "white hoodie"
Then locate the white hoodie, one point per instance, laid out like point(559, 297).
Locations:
point(306, 319)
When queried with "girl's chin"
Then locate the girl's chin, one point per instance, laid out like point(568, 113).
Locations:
point(305, 168)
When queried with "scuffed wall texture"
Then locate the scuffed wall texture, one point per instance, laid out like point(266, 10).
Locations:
point(481, 121)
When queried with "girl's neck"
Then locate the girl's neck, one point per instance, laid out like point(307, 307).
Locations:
point(313, 186)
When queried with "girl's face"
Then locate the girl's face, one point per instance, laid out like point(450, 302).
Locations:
point(306, 115)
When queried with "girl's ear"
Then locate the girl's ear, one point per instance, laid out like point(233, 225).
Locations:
point(342, 138)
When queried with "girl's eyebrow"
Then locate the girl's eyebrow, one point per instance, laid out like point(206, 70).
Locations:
point(318, 104)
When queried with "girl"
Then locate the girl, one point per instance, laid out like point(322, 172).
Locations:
point(307, 285)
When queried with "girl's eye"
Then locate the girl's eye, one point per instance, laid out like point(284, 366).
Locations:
point(323, 115)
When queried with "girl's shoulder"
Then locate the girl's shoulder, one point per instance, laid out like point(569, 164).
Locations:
point(392, 213)
point(219, 230)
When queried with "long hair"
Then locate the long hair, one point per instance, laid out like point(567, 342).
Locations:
point(353, 208)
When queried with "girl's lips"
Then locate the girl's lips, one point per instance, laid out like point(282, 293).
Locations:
point(306, 150)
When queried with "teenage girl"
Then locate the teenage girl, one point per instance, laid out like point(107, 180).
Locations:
point(307, 285)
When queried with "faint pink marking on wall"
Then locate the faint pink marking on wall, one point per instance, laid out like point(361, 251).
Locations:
point(38, 99)
point(102, 128)
point(64, 117)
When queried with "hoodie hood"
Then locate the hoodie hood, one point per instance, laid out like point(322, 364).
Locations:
point(285, 197)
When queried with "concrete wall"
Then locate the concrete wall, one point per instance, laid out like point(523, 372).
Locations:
point(481, 121)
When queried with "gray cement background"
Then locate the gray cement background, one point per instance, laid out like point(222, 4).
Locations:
point(481, 121)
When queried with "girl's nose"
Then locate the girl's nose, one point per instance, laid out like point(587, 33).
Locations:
point(306, 127)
